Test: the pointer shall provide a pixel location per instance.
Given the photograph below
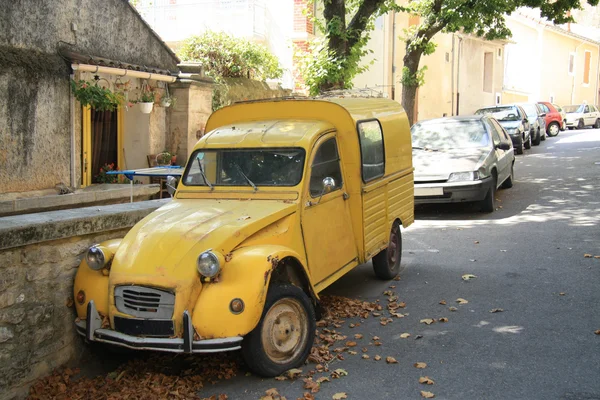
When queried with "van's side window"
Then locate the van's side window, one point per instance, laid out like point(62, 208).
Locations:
point(326, 164)
point(371, 150)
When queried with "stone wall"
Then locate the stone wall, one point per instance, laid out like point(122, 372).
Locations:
point(241, 89)
point(39, 255)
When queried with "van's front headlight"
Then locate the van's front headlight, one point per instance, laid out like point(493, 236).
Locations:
point(463, 176)
point(98, 257)
point(209, 264)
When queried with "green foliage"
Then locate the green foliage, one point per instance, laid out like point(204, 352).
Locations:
point(146, 96)
point(415, 79)
point(97, 97)
point(225, 56)
point(103, 177)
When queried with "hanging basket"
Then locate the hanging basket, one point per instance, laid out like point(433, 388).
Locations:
point(146, 108)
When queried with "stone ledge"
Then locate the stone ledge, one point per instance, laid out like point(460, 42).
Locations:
point(21, 230)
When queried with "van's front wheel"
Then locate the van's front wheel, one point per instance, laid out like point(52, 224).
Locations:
point(386, 263)
point(285, 334)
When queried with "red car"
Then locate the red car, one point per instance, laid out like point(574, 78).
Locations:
point(554, 120)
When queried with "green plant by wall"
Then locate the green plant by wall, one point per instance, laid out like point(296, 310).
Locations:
point(224, 56)
point(97, 97)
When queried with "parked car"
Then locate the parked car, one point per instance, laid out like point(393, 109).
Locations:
point(582, 115)
point(461, 159)
point(514, 120)
point(537, 124)
point(278, 200)
point(553, 118)
point(563, 114)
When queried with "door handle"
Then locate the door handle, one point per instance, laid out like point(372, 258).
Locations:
point(346, 196)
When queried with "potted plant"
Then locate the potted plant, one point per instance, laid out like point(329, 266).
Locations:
point(167, 101)
point(164, 158)
point(146, 101)
point(94, 96)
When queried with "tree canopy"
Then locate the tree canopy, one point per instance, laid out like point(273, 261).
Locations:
point(225, 56)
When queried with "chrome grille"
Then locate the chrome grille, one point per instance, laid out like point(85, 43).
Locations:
point(144, 302)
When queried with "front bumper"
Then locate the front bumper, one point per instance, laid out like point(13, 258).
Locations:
point(92, 330)
point(452, 192)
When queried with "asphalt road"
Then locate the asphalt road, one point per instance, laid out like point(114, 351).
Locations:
point(528, 258)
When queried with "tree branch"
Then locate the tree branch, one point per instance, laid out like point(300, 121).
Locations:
point(359, 22)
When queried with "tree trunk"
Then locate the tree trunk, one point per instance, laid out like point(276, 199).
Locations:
point(409, 91)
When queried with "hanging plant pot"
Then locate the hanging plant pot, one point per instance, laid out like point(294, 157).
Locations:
point(146, 108)
point(165, 102)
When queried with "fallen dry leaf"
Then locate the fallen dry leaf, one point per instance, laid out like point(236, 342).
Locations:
point(378, 357)
point(323, 379)
point(461, 301)
point(443, 302)
point(375, 337)
point(405, 335)
point(391, 360)
point(352, 352)
point(418, 337)
point(426, 380)
point(358, 336)
point(307, 396)
point(312, 385)
point(597, 257)
point(280, 378)
point(427, 321)
point(476, 242)
point(587, 255)
point(597, 332)
point(443, 319)
point(339, 372)
point(495, 310)
point(561, 293)
point(339, 396)
point(293, 373)
point(420, 365)
point(427, 395)
point(351, 344)
point(365, 356)
point(69, 302)
point(467, 277)
point(397, 278)
point(452, 308)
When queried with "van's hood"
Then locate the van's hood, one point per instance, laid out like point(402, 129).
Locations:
point(167, 242)
point(438, 165)
point(510, 124)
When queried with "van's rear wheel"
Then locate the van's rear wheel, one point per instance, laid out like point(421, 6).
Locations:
point(285, 334)
point(386, 263)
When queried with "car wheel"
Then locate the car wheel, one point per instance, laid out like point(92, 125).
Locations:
point(553, 129)
point(580, 124)
point(508, 183)
point(527, 143)
point(488, 204)
point(543, 135)
point(519, 146)
point(386, 264)
point(538, 138)
point(285, 334)
point(597, 124)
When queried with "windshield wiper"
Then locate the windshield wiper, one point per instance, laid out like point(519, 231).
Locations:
point(204, 175)
point(245, 177)
point(424, 148)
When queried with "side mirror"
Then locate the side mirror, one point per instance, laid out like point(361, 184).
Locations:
point(328, 185)
point(542, 114)
point(503, 146)
point(171, 185)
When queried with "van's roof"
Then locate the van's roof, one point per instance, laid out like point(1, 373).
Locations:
point(291, 122)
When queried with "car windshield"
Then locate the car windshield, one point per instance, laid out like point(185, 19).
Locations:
point(530, 110)
point(501, 113)
point(578, 108)
point(449, 134)
point(245, 167)
point(558, 108)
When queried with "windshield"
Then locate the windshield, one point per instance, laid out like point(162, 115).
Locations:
point(573, 109)
point(530, 110)
point(247, 167)
point(558, 108)
point(444, 135)
point(501, 113)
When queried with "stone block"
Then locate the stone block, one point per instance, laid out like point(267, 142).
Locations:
point(12, 315)
point(48, 271)
point(40, 314)
point(7, 207)
point(10, 277)
point(10, 258)
point(10, 297)
point(40, 254)
point(6, 334)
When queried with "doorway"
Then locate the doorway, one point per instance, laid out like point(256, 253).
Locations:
point(102, 141)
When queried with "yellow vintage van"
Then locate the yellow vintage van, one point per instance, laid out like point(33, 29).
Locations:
point(278, 200)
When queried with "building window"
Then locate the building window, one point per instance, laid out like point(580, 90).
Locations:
point(488, 72)
point(587, 61)
point(571, 63)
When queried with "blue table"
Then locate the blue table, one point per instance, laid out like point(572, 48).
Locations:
point(160, 172)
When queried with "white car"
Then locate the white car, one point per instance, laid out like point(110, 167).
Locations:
point(582, 115)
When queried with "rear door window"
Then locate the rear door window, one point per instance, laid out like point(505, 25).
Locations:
point(372, 152)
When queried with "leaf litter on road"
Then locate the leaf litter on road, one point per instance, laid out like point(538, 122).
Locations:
point(461, 301)
point(496, 310)
point(427, 395)
point(467, 277)
point(420, 365)
point(425, 380)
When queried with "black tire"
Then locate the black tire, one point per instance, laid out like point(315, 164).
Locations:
point(489, 203)
point(553, 129)
point(597, 124)
point(538, 138)
point(543, 135)
point(281, 297)
point(508, 183)
point(386, 264)
point(519, 147)
point(580, 124)
point(527, 143)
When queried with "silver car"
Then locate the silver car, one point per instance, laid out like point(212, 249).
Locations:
point(461, 159)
